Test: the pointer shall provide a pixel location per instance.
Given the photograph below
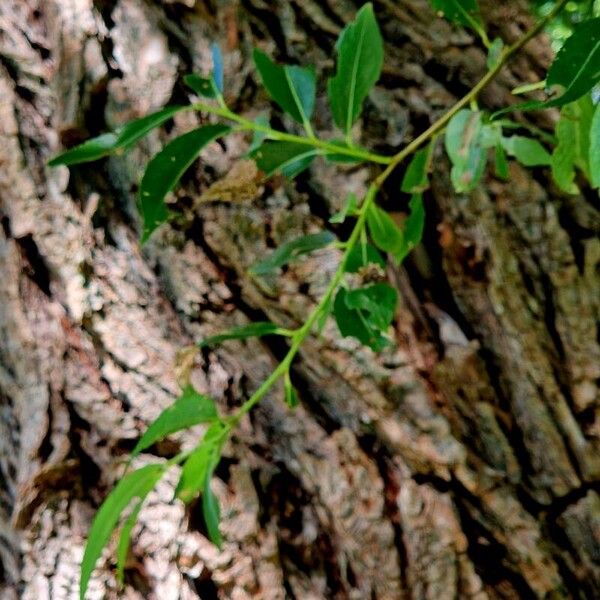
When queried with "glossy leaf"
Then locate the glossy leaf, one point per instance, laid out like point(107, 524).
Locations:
point(527, 151)
point(120, 139)
point(464, 144)
point(191, 408)
point(292, 87)
point(195, 468)
point(241, 333)
point(386, 235)
point(203, 86)
point(359, 62)
point(362, 255)
point(575, 68)
point(136, 484)
point(349, 209)
point(416, 178)
point(594, 153)
point(165, 170)
point(290, 158)
point(462, 12)
point(125, 542)
point(292, 250)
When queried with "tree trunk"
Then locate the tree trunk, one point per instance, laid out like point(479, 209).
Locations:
point(461, 463)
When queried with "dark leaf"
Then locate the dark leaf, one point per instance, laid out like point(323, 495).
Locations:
point(362, 255)
point(120, 139)
point(165, 170)
point(288, 157)
point(202, 86)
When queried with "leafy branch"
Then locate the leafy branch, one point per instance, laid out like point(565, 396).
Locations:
point(364, 312)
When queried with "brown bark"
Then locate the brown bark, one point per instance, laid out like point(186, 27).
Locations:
point(462, 463)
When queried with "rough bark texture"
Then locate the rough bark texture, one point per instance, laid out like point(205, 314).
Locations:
point(461, 463)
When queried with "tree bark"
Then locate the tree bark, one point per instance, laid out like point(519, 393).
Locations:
point(461, 463)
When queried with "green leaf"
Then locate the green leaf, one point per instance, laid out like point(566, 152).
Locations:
point(124, 542)
point(595, 148)
point(241, 333)
point(386, 235)
point(360, 59)
point(527, 151)
point(415, 223)
point(191, 408)
point(572, 150)
point(464, 144)
point(203, 86)
point(288, 157)
point(292, 87)
point(367, 317)
point(217, 59)
point(292, 250)
point(494, 53)
point(377, 302)
point(120, 139)
point(462, 12)
point(416, 177)
point(350, 208)
point(575, 68)
point(211, 510)
point(195, 468)
point(500, 162)
point(342, 158)
point(362, 255)
point(165, 170)
point(291, 396)
point(136, 484)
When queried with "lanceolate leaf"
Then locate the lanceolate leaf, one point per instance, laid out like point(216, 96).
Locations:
point(125, 540)
point(189, 409)
point(121, 138)
point(463, 12)
point(195, 468)
point(211, 510)
point(414, 224)
point(576, 68)
point(384, 231)
point(464, 144)
point(292, 250)
point(288, 157)
point(165, 170)
point(292, 87)
point(500, 162)
point(202, 86)
point(360, 59)
point(595, 148)
point(136, 484)
point(527, 151)
point(416, 176)
point(241, 333)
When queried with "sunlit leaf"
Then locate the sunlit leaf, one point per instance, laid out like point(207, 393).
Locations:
point(527, 151)
point(595, 148)
point(191, 408)
point(120, 139)
point(136, 484)
point(165, 170)
point(359, 62)
point(292, 250)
